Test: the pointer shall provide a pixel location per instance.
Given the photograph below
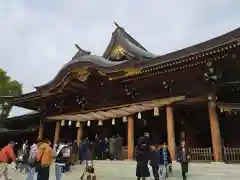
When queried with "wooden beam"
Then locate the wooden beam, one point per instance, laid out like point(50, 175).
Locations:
point(199, 99)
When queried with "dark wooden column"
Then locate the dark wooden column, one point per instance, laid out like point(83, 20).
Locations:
point(130, 137)
point(79, 133)
point(215, 131)
point(57, 132)
point(171, 132)
point(41, 130)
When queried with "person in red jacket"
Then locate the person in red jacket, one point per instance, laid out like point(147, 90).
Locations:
point(7, 156)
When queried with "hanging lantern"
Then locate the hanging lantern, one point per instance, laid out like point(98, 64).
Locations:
point(124, 119)
point(156, 111)
point(62, 123)
point(113, 121)
point(139, 116)
point(100, 123)
point(89, 123)
point(69, 123)
point(78, 124)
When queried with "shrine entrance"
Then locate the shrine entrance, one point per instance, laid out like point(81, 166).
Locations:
point(105, 129)
point(192, 124)
point(155, 125)
point(229, 125)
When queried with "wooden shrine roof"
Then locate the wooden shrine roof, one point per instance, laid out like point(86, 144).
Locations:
point(135, 57)
point(131, 55)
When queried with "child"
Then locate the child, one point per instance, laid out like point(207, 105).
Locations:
point(154, 161)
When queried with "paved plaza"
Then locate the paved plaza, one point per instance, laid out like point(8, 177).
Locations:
point(125, 170)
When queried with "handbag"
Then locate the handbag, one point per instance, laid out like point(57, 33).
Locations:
point(32, 162)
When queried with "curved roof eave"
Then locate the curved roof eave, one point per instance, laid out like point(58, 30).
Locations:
point(88, 61)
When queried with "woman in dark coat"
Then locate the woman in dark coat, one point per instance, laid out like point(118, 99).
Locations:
point(142, 157)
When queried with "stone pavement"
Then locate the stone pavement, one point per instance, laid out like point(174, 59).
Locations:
point(125, 170)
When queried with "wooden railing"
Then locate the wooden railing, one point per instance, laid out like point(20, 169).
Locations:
point(231, 155)
point(201, 154)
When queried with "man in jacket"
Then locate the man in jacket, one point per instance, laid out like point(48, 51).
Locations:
point(45, 157)
point(164, 160)
point(6, 157)
point(154, 161)
point(183, 158)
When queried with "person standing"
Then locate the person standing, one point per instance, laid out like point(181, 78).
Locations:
point(74, 152)
point(45, 157)
point(24, 155)
point(154, 161)
point(142, 157)
point(62, 159)
point(111, 148)
point(32, 159)
point(7, 156)
point(183, 158)
point(84, 150)
point(165, 160)
point(67, 166)
point(119, 144)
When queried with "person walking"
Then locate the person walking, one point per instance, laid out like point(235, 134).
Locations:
point(25, 154)
point(32, 159)
point(45, 158)
point(154, 161)
point(62, 159)
point(165, 160)
point(183, 158)
point(7, 156)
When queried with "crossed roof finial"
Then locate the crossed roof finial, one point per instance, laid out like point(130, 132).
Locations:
point(116, 24)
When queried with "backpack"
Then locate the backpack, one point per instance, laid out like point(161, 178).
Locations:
point(66, 152)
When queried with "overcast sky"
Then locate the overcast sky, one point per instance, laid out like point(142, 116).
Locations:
point(37, 37)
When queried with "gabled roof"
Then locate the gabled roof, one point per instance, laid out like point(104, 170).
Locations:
point(124, 42)
point(136, 57)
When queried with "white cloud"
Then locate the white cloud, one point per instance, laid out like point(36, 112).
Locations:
point(38, 37)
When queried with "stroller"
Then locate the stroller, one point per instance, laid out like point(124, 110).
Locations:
point(89, 170)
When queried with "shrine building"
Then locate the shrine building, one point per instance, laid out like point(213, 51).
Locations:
point(191, 94)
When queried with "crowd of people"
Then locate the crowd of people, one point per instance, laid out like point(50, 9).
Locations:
point(36, 159)
point(159, 159)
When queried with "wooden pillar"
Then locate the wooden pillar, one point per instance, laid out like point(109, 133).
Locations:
point(171, 132)
point(57, 132)
point(215, 131)
point(130, 137)
point(79, 134)
point(40, 130)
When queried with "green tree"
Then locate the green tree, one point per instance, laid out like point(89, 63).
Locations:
point(8, 88)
